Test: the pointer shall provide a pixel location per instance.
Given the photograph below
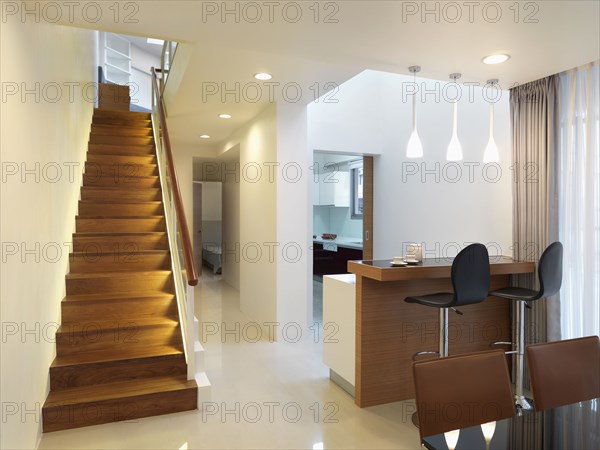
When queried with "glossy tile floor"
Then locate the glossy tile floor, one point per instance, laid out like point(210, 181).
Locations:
point(264, 395)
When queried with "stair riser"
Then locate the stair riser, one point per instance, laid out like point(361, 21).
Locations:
point(87, 337)
point(130, 123)
point(121, 150)
point(122, 182)
point(121, 114)
point(116, 371)
point(116, 309)
point(122, 244)
point(118, 130)
point(118, 210)
point(119, 171)
point(118, 261)
point(127, 283)
point(86, 414)
point(119, 225)
point(120, 159)
point(121, 195)
point(120, 140)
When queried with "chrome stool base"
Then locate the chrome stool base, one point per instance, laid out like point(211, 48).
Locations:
point(523, 403)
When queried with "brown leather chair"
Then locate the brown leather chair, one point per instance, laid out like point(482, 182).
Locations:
point(462, 391)
point(564, 372)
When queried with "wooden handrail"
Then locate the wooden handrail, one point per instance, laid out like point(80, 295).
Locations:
point(188, 254)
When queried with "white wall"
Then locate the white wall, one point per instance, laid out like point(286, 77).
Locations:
point(373, 118)
point(38, 213)
point(231, 228)
point(212, 199)
point(257, 142)
point(141, 62)
point(294, 216)
point(275, 216)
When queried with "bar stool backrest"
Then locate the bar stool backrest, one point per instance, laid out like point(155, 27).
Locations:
point(471, 275)
point(550, 270)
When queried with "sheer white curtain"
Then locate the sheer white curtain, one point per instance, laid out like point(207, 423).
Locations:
point(578, 188)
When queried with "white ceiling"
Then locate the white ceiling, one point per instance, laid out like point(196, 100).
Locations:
point(546, 38)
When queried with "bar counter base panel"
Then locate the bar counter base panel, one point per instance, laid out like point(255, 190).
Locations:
point(390, 331)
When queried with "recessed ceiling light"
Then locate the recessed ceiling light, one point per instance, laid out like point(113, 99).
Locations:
point(496, 59)
point(155, 41)
point(263, 76)
point(205, 136)
point(225, 116)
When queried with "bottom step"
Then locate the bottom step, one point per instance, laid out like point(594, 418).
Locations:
point(94, 405)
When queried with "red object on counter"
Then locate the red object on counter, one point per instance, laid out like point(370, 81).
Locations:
point(329, 236)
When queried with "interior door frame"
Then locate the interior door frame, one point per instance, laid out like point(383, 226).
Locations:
point(197, 227)
point(367, 208)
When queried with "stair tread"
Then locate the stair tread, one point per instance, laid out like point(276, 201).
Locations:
point(96, 163)
point(93, 157)
point(125, 165)
point(116, 354)
point(109, 202)
point(118, 296)
point(113, 125)
point(83, 275)
point(120, 390)
point(120, 217)
point(112, 144)
point(121, 353)
point(117, 233)
point(114, 188)
point(135, 253)
point(111, 324)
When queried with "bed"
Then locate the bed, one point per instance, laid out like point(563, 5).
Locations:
point(211, 256)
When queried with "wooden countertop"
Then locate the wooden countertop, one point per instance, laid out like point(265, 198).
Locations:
point(381, 270)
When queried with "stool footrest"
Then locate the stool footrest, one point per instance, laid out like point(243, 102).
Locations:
point(416, 355)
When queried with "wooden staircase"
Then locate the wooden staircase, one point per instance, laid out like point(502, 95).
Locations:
point(119, 347)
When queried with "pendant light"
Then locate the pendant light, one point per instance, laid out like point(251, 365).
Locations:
point(414, 148)
point(491, 154)
point(454, 152)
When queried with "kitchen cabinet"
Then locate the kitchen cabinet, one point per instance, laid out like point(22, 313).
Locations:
point(328, 262)
point(333, 189)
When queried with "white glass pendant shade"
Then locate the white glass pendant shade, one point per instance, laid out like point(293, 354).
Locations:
point(491, 154)
point(414, 148)
point(454, 152)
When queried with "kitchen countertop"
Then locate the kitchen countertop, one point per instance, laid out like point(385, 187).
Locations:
point(341, 241)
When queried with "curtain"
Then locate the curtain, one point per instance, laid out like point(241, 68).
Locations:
point(578, 177)
point(556, 196)
point(535, 202)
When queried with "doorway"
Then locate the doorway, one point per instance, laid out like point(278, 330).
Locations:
point(342, 216)
point(208, 225)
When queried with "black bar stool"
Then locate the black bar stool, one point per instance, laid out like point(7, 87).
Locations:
point(471, 282)
point(550, 277)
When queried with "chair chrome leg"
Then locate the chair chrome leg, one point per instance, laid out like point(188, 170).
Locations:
point(520, 400)
point(443, 344)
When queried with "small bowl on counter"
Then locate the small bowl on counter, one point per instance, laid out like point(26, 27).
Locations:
point(328, 236)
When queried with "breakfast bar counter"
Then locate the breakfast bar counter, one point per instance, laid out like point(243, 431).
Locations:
point(390, 331)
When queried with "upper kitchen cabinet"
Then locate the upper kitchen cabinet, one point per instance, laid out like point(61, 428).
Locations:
point(333, 189)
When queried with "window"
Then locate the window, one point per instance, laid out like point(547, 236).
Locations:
point(579, 200)
point(357, 193)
